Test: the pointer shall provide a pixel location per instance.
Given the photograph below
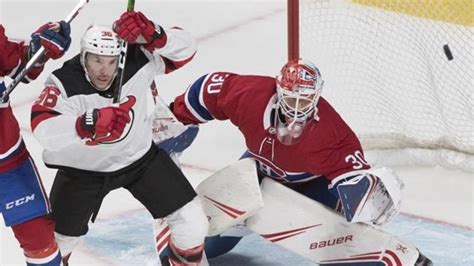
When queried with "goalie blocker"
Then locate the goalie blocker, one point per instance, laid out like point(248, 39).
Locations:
point(372, 197)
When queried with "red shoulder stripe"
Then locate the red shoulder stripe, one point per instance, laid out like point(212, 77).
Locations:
point(40, 113)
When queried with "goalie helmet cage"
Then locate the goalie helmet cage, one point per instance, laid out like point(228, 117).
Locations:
point(400, 73)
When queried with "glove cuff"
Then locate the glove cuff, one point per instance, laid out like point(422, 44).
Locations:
point(32, 48)
point(159, 32)
point(85, 124)
point(159, 39)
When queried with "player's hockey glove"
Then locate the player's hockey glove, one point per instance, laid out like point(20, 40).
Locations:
point(373, 197)
point(135, 27)
point(104, 124)
point(55, 37)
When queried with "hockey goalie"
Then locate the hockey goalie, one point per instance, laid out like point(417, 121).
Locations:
point(298, 140)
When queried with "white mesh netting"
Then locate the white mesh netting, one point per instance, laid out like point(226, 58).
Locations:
point(389, 76)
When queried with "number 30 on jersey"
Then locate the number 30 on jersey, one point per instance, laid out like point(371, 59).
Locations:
point(215, 82)
point(357, 160)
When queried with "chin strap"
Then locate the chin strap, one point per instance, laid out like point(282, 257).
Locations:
point(315, 114)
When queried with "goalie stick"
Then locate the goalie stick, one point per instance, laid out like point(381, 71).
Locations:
point(122, 60)
point(34, 59)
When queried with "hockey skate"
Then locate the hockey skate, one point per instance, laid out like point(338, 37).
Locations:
point(423, 261)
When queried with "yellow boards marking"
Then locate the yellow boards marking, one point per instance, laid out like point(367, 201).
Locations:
point(452, 11)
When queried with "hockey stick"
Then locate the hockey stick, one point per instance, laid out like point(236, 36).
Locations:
point(122, 59)
point(34, 59)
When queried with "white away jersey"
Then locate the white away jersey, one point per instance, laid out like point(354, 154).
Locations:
point(68, 95)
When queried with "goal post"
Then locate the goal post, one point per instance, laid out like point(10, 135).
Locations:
point(401, 73)
point(293, 29)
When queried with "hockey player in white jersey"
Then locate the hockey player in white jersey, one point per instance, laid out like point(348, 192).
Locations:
point(98, 146)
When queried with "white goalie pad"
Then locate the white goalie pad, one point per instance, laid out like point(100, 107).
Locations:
point(318, 233)
point(231, 195)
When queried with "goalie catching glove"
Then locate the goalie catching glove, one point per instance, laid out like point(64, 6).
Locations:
point(104, 124)
point(373, 197)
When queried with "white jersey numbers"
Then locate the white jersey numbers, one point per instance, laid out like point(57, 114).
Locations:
point(357, 160)
point(215, 82)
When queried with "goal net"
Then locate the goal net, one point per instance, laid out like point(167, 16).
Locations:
point(399, 72)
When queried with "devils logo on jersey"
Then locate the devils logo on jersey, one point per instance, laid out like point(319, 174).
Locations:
point(107, 138)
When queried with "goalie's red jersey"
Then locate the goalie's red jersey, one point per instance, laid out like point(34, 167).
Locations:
point(328, 147)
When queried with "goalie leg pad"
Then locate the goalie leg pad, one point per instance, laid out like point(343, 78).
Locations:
point(230, 195)
point(316, 232)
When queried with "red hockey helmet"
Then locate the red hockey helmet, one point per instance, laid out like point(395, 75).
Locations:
point(299, 87)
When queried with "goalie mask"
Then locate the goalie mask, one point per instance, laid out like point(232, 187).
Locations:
point(101, 42)
point(299, 87)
